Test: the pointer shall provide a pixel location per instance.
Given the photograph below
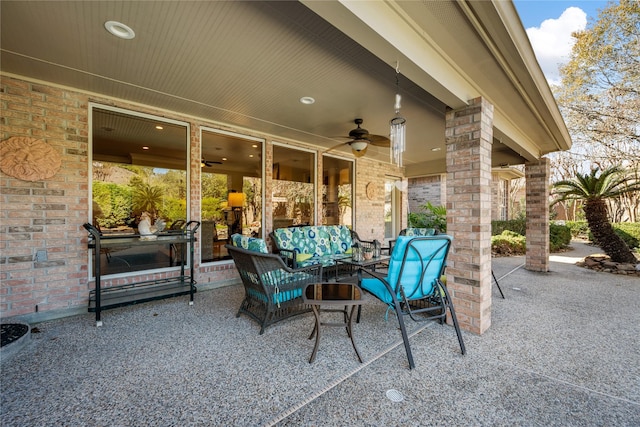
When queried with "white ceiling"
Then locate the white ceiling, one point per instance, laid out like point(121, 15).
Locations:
point(247, 64)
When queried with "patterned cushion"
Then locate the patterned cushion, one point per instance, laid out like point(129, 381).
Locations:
point(340, 238)
point(420, 231)
point(322, 242)
point(250, 243)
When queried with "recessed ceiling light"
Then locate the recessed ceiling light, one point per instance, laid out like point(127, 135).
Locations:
point(119, 29)
point(145, 148)
point(159, 127)
point(436, 149)
point(255, 145)
point(250, 155)
point(307, 100)
point(224, 158)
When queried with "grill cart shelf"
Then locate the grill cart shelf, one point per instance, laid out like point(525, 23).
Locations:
point(179, 241)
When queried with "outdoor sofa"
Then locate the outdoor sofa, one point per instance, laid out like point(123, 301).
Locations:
point(312, 244)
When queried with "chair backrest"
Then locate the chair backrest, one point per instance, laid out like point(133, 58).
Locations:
point(417, 263)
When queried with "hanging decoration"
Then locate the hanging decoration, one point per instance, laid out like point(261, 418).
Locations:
point(398, 127)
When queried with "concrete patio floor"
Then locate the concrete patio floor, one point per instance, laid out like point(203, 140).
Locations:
point(563, 350)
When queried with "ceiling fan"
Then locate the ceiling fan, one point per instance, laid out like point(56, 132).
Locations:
point(360, 139)
point(209, 163)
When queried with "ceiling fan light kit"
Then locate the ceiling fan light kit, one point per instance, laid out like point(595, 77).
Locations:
point(359, 145)
point(360, 139)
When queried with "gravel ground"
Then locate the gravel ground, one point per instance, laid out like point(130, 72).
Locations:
point(562, 350)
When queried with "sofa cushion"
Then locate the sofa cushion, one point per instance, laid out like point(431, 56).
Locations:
point(340, 236)
point(249, 243)
point(306, 240)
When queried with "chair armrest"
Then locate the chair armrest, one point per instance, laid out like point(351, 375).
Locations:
point(378, 276)
point(289, 257)
point(373, 274)
point(390, 248)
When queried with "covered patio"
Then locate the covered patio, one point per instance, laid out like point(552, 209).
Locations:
point(242, 73)
point(558, 354)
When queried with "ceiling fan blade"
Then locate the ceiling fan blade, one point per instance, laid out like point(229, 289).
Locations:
point(209, 163)
point(379, 140)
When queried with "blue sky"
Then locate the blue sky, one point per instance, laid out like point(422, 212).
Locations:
point(549, 24)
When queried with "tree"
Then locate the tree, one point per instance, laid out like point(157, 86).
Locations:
point(600, 92)
point(146, 198)
point(593, 190)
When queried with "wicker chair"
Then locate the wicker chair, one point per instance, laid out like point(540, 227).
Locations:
point(273, 291)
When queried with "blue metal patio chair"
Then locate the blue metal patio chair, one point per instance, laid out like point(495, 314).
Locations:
point(412, 285)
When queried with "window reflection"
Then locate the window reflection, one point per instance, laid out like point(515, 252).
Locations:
point(293, 187)
point(139, 171)
point(337, 191)
point(392, 208)
point(231, 190)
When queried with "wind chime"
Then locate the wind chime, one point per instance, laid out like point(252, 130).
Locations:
point(398, 127)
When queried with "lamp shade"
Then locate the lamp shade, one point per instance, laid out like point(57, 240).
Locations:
point(235, 200)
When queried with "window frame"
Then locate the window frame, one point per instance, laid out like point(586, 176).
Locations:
point(314, 153)
point(353, 183)
point(248, 138)
point(95, 105)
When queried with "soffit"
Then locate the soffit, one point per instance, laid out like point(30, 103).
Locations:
point(246, 64)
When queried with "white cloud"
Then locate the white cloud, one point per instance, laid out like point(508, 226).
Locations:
point(552, 41)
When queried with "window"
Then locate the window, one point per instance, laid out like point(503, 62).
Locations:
point(392, 207)
point(231, 190)
point(139, 167)
point(337, 191)
point(504, 199)
point(293, 187)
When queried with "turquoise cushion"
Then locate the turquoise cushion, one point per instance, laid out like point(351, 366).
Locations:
point(250, 243)
point(414, 268)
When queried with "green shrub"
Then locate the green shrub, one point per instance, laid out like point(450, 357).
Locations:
point(559, 237)
point(508, 243)
point(430, 216)
point(628, 231)
point(518, 226)
point(578, 228)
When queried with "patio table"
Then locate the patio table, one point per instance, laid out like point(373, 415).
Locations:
point(333, 295)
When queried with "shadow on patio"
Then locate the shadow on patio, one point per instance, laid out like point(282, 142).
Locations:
point(562, 350)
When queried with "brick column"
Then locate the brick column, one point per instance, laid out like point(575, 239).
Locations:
point(537, 209)
point(469, 136)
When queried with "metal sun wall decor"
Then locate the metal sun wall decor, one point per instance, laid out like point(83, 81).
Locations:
point(29, 159)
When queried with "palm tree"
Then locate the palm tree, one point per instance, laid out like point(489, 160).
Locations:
point(593, 191)
point(146, 197)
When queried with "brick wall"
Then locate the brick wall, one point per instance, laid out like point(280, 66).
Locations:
point(426, 189)
point(44, 215)
point(369, 221)
point(48, 214)
point(469, 135)
point(537, 208)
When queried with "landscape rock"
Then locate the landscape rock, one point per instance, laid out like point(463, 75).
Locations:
point(603, 263)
